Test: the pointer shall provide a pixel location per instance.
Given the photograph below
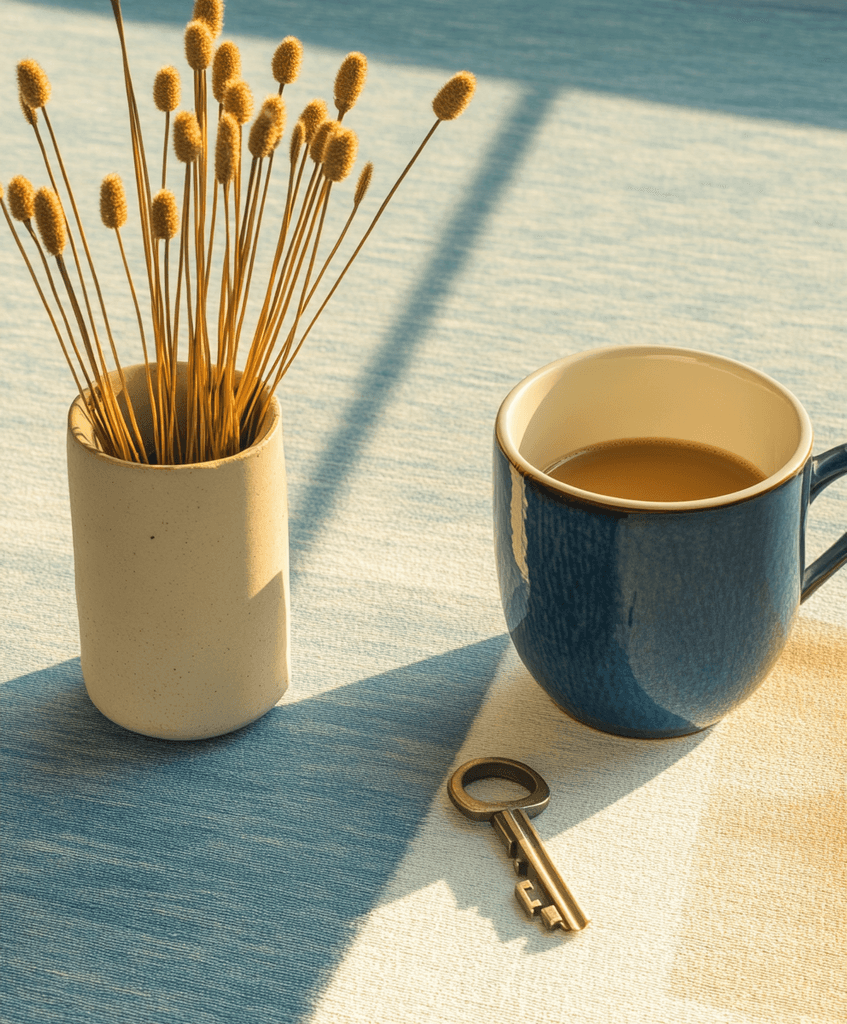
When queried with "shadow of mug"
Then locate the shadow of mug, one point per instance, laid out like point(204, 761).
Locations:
point(643, 618)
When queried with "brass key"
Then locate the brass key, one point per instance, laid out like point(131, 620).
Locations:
point(510, 820)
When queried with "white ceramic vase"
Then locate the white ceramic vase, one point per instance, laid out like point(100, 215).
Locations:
point(181, 581)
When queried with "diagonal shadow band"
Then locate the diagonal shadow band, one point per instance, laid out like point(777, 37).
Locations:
point(221, 880)
point(386, 369)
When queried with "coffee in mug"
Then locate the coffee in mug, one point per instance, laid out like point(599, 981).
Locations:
point(655, 469)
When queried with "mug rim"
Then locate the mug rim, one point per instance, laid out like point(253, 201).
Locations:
point(787, 471)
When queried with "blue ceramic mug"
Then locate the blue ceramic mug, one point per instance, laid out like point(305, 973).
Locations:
point(645, 618)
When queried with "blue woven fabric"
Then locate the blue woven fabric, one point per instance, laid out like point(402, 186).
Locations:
point(220, 880)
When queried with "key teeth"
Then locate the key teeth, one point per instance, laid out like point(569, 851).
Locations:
point(552, 918)
point(549, 915)
point(523, 892)
point(521, 867)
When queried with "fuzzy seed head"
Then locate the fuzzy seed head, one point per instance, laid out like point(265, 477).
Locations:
point(50, 220)
point(350, 81)
point(166, 89)
point(340, 154)
point(33, 84)
point(317, 147)
point(238, 101)
point(164, 216)
point(112, 202)
point(30, 115)
point(212, 13)
point(21, 198)
point(266, 133)
point(286, 61)
point(227, 149)
point(226, 67)
point(313, 116)
point(198, 45)
point(298, 137)
point(363, 183)
point(188, 139)
point(454, 96)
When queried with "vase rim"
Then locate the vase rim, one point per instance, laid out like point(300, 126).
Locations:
point(79, 429)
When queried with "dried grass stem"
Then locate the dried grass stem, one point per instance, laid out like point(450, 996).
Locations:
point(199, 296)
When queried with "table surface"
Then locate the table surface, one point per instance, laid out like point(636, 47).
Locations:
point(662, 173)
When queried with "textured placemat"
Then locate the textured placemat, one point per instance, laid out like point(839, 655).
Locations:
point(653, 173)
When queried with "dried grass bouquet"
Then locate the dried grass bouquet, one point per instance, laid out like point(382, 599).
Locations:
point(217, 220)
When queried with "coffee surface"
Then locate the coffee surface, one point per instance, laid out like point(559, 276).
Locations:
point(655, 469)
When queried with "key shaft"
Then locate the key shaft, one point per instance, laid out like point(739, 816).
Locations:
point(530, 856)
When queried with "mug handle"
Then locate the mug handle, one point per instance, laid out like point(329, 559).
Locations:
point(826, 467)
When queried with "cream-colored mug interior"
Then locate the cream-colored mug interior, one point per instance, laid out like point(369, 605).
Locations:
point(636, 391)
